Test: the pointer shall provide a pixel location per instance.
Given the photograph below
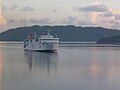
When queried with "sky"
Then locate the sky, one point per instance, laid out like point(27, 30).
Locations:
point(17, 13)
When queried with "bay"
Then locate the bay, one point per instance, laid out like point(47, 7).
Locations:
point(72, 68)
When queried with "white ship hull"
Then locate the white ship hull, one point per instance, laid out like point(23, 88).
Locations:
point(37, 46)
point(44, 43)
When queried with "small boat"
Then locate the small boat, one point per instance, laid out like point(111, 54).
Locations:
point(45, 42)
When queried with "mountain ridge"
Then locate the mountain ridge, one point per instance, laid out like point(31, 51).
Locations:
point(65, 33)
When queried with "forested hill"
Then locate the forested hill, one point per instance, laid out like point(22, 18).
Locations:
point(109, 40)
point(65, 33)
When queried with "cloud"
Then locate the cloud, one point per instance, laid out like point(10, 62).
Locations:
point(107, 14)
point(94, 17)
point(95, 7)
point(12, 7)
point(29, 21)
point(112, 12)
point(99, 14)
point(27, 8)
point(55, 11)
point(2, 19)
point(112, 18)
point(116, 24)
point(23, 21)
point(16, 7)
point(40, 21)
point(84, 23)
point(117, 16)
point(69, 20)
point(11, 21)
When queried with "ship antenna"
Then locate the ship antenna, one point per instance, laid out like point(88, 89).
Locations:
point(35, 31)
point(48, 32)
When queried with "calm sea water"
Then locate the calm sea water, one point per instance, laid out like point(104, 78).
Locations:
point(72, 68)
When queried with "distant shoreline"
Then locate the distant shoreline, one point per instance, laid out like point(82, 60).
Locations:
point(70, 44)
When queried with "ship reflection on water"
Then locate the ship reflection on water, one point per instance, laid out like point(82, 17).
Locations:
point(41, 61)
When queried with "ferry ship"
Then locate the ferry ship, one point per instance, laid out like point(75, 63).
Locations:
point(45, 42)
